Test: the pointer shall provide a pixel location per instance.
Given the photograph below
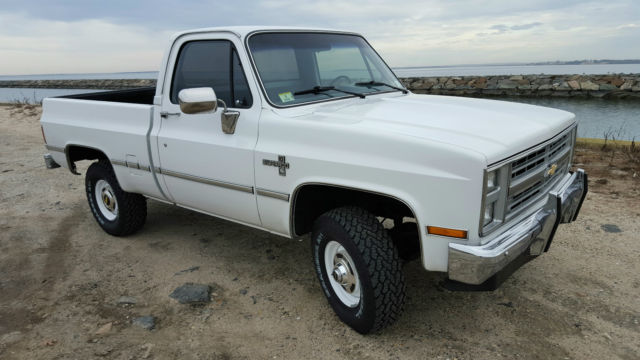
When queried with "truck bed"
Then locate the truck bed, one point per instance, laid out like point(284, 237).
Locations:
point(143, 95)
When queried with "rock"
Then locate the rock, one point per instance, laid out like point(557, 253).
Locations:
point(145, 322)
point(635, 88)
point(588, 85)
point(545, 87)
point(611, 228)
point(103, 351)
point(104, 329)
point(479, 83)
point(607, 87)
point(191, 269)
point(563, 86)
point(243, 291)
point(126, 300)
point(627, 85)
point(10, 338)
point(617, 81)
point(573, 84)
point(507, 84)
point(516, 78)
point(190, 293)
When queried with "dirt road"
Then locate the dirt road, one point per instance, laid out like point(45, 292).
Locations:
point(61, 276)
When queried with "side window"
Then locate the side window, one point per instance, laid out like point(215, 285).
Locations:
point(214, 64)
point(241, 92)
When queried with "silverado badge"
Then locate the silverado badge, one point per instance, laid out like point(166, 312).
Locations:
point(281, 164)
point(552, 170)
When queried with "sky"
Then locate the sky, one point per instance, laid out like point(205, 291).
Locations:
point(87, 36)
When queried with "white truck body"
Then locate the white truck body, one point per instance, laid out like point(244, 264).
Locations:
point(431, 153)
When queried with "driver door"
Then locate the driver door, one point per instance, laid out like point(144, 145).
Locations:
point(204, 168)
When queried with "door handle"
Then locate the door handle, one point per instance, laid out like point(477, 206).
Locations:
point(165, 114)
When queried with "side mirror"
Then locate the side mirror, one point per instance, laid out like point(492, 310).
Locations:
point(197, 100)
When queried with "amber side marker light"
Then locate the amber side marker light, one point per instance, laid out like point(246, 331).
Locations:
point(434, 230)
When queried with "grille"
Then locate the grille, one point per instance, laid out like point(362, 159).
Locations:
point(531, 175)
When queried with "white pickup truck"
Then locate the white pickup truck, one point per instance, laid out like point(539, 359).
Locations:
point(298, 131)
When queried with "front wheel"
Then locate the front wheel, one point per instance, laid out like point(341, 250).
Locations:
point(118, 212)
point(359, 268)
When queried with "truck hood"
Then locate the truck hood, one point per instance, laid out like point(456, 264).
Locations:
point(496, 129)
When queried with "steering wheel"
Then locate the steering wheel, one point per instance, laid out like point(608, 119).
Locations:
point(341, 80)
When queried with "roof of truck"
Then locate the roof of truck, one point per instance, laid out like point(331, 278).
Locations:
point(242, 31)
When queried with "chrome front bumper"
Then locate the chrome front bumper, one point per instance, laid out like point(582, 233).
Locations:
point(475, 264)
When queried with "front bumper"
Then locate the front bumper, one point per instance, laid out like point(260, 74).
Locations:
point(475, 264)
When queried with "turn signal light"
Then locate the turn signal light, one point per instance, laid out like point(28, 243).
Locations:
point(434, 230)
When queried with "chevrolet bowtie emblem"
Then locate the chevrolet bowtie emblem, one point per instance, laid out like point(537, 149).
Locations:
point(281, 164)
point(552, 169)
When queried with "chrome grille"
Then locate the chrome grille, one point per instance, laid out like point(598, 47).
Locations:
point(534, 174)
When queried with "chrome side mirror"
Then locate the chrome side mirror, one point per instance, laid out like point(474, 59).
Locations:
point(203, 100)
point(197, 100)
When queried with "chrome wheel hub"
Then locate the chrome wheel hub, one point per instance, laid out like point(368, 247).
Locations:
point(106, 199)
point(343, 275)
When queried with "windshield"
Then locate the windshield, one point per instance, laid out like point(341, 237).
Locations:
point(298, 68)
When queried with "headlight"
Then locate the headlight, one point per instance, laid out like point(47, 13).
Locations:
point(494, 201)
point(491, 181)
point(488, 213)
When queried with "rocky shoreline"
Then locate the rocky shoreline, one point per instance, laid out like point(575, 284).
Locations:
point(598, 86)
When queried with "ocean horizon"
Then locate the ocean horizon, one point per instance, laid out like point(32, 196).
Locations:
point(414, 71)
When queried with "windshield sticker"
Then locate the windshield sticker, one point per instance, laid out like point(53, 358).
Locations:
point(286, 96)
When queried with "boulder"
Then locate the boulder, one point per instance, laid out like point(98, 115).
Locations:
point(617, 81)
point(574, 85)
point(588, 85)
point(627, 85)
point(507, 84)
point(607, 87)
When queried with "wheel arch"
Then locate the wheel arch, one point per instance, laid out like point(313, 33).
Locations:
point(77, 152)
point(302, 214)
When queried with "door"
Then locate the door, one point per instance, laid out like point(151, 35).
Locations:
point(204, 168)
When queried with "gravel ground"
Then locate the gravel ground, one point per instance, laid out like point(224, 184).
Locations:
point(70, 291)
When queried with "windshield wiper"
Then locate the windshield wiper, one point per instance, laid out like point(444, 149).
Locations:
point(321, 89)
point(378, 83)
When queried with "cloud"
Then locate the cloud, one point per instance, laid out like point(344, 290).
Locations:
point(43, 36)
point(525, 26)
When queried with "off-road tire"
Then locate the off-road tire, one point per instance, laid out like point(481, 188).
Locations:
point(379, 268)
point(132, 208)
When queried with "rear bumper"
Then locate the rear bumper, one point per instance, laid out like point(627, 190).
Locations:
point(475, 264)
point(49, 162)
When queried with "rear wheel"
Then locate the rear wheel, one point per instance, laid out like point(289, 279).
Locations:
point(118, 212)
point(359, 268)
